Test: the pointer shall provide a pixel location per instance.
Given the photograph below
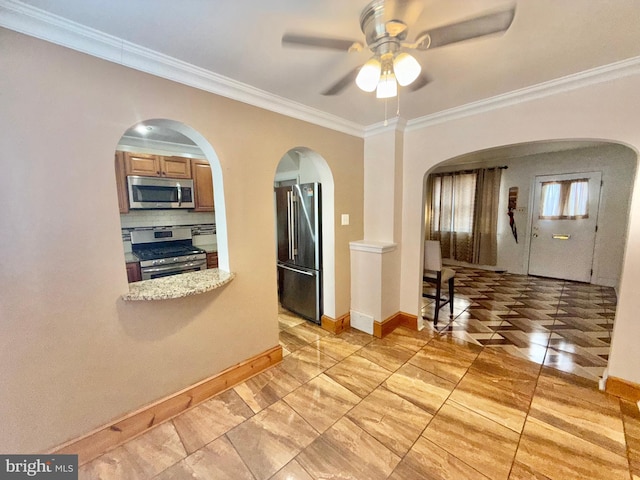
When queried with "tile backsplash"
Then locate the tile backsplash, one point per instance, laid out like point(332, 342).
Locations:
point(202, 225)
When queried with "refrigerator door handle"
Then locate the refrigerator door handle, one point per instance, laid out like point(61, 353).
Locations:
point(309, 274)
point(290, 224)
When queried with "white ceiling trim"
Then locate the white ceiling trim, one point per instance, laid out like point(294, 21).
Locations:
point(32, 21)
point(593, 76)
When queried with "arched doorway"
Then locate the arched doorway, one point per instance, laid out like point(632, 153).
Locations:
point(549, 320)
point(300, 166)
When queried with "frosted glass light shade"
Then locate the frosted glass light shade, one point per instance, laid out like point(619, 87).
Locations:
point(387, 86)
point(406, 68)
point(369, 75)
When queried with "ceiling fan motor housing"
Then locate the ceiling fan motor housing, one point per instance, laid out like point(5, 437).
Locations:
point(382, 34)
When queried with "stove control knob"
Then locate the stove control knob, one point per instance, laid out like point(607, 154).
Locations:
point(159, 262)
point(176, 259)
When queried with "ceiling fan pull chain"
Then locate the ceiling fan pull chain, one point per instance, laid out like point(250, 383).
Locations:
point(398, 104)
point(385, 112)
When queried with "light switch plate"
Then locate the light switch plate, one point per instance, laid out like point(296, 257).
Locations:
point(345, 219)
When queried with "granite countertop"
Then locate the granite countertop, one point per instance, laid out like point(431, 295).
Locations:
point(208, 247)
point(178, 286)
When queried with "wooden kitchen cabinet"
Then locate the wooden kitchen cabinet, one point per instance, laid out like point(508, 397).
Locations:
point(149, 165)
point(203, 185)
point(121, 184)
point(212, 260)
point(133, 272)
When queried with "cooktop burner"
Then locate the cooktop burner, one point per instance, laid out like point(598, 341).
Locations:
point(155, 252)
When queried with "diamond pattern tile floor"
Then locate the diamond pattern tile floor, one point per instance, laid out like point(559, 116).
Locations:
point(562, 324)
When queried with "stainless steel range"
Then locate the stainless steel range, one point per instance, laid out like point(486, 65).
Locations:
point(166, 251)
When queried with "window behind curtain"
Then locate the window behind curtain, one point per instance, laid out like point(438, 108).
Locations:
point(564, 200)
point(462, 214)
point(452, 213)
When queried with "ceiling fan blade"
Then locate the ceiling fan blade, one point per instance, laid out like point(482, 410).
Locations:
point(294, 40)
point(457, 32)
point(422, 80)
point(343, 83)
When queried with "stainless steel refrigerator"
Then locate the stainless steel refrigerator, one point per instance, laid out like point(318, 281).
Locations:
point(299, 226)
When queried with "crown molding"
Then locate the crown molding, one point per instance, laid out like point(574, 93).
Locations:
point(396, 124)
point(34, 22)
point(582, 79)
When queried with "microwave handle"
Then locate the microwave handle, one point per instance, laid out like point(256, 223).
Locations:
point(179, 193)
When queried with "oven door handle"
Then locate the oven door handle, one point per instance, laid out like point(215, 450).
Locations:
point(180, 266)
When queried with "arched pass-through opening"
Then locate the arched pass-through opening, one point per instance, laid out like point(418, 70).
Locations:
point(301, 165)
point(183, 154)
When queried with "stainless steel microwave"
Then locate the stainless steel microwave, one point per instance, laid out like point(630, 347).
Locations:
point(157, 193)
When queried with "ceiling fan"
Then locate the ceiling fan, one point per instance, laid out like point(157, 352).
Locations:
point(385, 24)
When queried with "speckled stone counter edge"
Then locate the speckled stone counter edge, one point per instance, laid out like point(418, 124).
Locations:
point(178, 286)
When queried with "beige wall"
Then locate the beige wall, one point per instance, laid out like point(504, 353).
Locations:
point(73, 356)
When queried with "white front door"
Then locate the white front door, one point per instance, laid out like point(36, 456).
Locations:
point(563, 228)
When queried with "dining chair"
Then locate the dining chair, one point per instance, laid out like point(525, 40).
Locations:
point(434, 273)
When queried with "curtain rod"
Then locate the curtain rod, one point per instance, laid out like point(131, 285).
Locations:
point(503, 167)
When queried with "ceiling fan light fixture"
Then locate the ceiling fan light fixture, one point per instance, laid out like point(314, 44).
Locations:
point(387, 86)
point(369, 75)
point(406, 68)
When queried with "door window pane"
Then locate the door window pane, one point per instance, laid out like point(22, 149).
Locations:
point(565, 200)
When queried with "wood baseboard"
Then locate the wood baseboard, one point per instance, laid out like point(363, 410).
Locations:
point(338, 325)
point(400, 319)
point(623, 389)
point(109, 436)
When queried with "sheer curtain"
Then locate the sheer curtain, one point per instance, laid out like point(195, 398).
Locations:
point(462, 212)
point(452, 203)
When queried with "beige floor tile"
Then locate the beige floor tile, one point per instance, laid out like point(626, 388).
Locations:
point(322, 401)
point(510, 373)
point(391, 419)
point(448, 358)
point(346, 451)
point(409, 339)
point(140, 458)
point(358, 374)
point(307, 363)
point(292, 471)
point(336, 347)
point(209, 420)
point(427, 461)
point(218, 460)
point(523, 472)
point(477, 441)
point(601, 425)
point(266, 388)
point(508, 408)
point(307, 332)
point(387, 354)
point(422, 388)
point(560, 455)
point(631, 419)
point(271, 439)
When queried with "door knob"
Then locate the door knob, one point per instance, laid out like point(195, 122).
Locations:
point(535, 235)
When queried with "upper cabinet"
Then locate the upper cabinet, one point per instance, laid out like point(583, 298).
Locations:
point(203, 185)
point(121, 183)
point(148, 165)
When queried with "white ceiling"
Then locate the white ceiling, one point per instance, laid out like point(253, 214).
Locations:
point(241, 40)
